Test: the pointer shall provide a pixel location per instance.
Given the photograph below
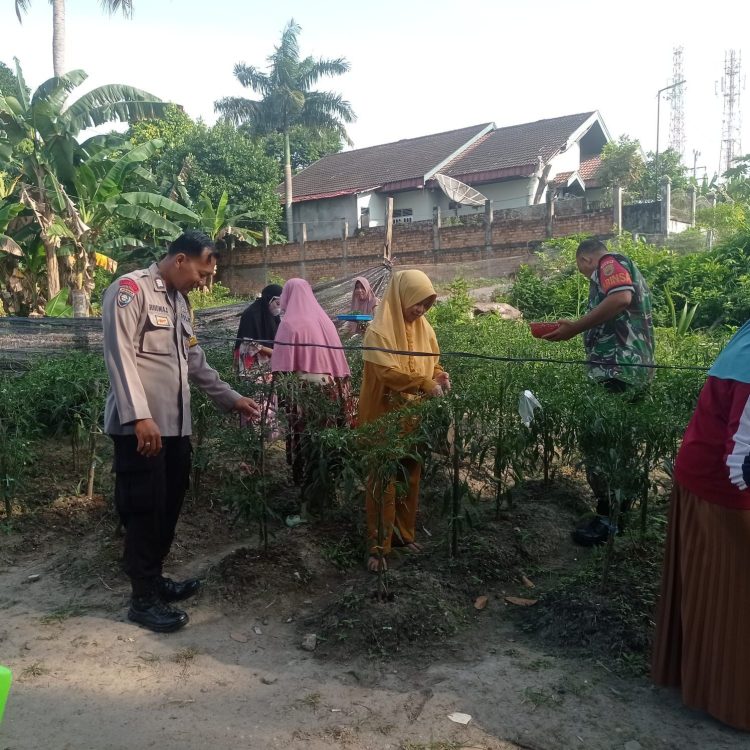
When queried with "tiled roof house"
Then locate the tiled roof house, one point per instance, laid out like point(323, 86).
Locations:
point(512, 166)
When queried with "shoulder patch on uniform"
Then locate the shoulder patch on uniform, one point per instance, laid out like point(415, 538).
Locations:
point(129, 284)
point(608, 266)
point(124, 296)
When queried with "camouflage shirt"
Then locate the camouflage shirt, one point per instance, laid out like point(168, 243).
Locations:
point(629, 337)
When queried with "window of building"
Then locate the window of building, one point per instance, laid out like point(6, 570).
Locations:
point(403, 215)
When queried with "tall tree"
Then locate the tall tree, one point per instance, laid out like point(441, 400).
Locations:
point(287, 99)
point(622, 163)
point(305, 146)
point(58, 24)
point(669, 164)
point(211, 160)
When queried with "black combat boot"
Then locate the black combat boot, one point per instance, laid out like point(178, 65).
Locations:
point(155, 615)
point(594, 531)
point(176, 591)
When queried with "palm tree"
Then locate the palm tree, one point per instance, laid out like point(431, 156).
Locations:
point(58, 24)
point(287, 100)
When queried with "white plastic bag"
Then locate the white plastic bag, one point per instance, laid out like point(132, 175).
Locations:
point(527, 403)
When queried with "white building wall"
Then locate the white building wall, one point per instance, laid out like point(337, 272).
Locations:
point(324, 218)
point(508, 194)
point(567, 161)
point(375, 202)
point(421, 202)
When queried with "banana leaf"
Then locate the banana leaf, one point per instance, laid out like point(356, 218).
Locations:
point(58, 306)
point(150, 218)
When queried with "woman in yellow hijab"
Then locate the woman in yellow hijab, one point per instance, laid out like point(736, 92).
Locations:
point(389, 381)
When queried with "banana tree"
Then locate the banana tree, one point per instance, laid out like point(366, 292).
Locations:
point(101, 197)
point(224, 222)
point(39, 141)
point(223, 219)
point(8, 211)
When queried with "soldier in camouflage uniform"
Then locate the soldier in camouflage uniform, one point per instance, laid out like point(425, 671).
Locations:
point(618, 336)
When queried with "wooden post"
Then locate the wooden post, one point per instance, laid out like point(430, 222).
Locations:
point(693, 198)
point(436, 223)
point(266, 243)
point(488, 225)
point(388, 247)
point(710, 234)
point(344, 243)
point(550, 229)
point(617, 209)
point(302, 243)
point(666, 204)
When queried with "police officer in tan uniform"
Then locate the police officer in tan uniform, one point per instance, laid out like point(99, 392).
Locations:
point(152, 355)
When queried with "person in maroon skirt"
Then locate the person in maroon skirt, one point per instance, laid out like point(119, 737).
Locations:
point(701, 643)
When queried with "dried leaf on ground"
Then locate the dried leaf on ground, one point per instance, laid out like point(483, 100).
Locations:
point(520, 601)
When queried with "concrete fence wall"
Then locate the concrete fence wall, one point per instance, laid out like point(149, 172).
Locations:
point(498, 239)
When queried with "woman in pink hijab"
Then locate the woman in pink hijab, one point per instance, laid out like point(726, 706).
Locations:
point(364, 302)
point(308, 345)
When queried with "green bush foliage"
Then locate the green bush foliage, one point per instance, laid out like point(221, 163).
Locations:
point(717, 281)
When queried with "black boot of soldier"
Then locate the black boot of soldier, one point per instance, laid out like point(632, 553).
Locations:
point(147, 609)
point(177, 591)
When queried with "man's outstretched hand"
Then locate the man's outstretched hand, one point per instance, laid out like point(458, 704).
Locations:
point(248, 408)
point(565, 331)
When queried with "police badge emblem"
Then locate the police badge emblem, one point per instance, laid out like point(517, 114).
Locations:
point(124, 298)
point(127, 290)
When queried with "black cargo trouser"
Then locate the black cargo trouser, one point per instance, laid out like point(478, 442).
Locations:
point(149, 493)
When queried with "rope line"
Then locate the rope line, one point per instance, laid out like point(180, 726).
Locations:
point(467, 355)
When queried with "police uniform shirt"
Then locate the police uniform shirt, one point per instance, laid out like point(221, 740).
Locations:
point(151, 356)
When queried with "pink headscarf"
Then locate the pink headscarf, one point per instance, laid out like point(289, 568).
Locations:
point(305, 322)
point(366, 306)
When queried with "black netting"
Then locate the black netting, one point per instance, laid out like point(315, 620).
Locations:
point(23, 339)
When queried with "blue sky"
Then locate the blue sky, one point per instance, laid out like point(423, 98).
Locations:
point(418, 66)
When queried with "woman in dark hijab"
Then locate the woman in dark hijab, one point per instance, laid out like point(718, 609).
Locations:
point(259, 322)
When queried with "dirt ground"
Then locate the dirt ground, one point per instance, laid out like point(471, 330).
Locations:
point(237, 677)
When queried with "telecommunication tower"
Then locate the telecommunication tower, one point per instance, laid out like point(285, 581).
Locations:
point(731, 129)
point(677, 104)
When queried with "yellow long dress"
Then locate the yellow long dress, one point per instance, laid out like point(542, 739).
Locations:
point(388, 374)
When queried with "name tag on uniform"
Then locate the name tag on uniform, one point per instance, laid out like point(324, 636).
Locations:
point(160, 321)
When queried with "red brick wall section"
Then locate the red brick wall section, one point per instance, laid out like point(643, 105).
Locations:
point(244, 271)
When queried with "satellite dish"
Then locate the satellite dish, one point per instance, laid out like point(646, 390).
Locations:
point(458, 192)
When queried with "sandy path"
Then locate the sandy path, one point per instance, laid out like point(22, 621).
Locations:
point(86, 679)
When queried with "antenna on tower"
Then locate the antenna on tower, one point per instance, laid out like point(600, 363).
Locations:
point(677, 104)
point(731, 128)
